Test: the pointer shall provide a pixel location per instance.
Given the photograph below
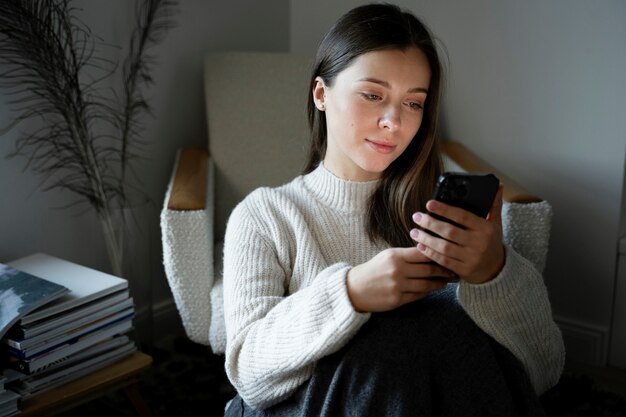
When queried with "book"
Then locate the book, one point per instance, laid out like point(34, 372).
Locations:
point(95, 309)
point(105, 345)
point(8, 403)
point(28, 348)
point(29, 389)
point(114, 348)
point(63, 366)
point(22, 292)
point(46, 358)
point(85, 284)
point(68, 329)
point(11, 375)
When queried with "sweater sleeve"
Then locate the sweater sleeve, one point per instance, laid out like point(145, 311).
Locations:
point(515, 310)
point(274, 339)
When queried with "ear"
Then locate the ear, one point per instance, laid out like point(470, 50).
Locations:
point(319, 93)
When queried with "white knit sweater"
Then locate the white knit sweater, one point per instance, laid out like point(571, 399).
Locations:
point(286, 254)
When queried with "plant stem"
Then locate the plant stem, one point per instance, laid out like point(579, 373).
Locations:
point(113, 238)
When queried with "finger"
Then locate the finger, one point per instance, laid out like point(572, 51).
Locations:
point(412, 255)
point(441, 228)
point(495, 213)
point(456, 214)
point(444, 247)
point(423, 286)
point(430, 270)
point(452, 264)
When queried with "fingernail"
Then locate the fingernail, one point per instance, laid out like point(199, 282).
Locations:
point(414, 233)
point(417, 217)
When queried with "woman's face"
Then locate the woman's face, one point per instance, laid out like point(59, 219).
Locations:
point(373, 111)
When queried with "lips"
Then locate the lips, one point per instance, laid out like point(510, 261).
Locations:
point(381, 147)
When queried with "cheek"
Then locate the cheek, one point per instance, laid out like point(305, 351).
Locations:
point(363, 118)
point(350, 119)
point(414, 125)
point(412, 128)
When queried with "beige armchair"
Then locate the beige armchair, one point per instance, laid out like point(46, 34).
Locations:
point(257, 136)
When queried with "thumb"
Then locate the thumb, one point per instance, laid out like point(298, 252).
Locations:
point(495, 213)
point(412, 255)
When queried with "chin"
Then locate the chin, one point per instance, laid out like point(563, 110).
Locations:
point(375, 169)
point(378, 164)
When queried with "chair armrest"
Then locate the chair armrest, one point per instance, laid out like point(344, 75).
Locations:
point(187, 239)
point(470, 162)
point(189, 183)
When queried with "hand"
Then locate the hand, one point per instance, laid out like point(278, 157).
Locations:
point(394, 277)
point(474, 252)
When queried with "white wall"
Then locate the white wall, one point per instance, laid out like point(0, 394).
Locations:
point(30, 223)
point(537, 88)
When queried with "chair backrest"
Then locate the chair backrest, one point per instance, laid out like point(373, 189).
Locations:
point(257, 127)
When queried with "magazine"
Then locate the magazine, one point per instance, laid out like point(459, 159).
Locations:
point(22, 293)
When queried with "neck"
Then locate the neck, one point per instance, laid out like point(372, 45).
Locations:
point(342, 194)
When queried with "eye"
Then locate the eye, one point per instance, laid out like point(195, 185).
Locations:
point(371, 97)
point(414, 105)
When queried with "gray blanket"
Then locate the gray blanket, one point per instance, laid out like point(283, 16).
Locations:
point(426, 359)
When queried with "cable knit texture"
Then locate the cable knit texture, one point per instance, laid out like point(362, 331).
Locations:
point(287, 251)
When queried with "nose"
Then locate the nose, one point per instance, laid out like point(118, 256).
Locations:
point(390, 119)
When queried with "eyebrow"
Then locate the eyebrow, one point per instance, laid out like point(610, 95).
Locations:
point(387, 85)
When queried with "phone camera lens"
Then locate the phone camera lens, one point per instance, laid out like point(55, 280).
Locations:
point(460, 191)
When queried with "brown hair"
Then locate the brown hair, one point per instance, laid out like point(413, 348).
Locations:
point(409, 181)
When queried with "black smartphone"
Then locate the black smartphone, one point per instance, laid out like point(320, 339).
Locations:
point(472, 192)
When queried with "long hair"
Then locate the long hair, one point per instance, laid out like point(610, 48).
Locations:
point(407, 184)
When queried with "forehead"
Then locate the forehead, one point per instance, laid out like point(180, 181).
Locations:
point(408, 67)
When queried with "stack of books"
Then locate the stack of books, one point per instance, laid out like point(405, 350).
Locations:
point(8, 400)
point(78, 332)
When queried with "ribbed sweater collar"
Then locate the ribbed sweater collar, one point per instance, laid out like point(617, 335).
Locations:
point(343, 195)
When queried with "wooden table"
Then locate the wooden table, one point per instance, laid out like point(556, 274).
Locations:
point(120, 375)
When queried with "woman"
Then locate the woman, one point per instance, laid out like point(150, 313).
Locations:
point(335, 303)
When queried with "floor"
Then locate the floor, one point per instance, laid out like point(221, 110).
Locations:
point(586, 391)
point(608, 379)
point(187, 380)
